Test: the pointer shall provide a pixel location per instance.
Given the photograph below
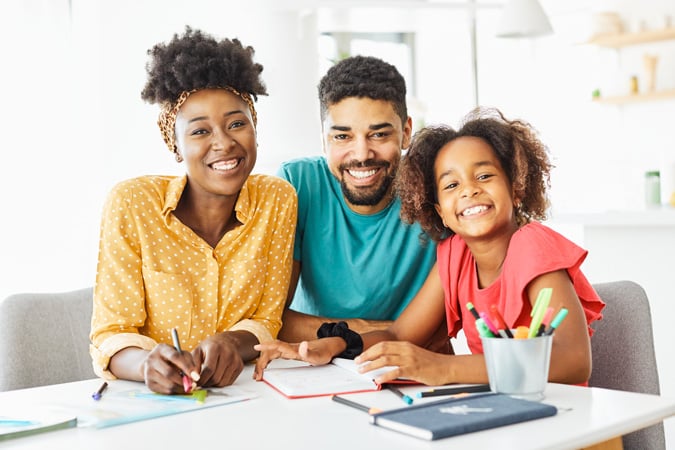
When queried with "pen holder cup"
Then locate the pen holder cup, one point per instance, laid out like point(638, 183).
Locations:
point(518, 367)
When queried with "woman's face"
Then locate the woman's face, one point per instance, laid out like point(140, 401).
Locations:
point(475, 198)
point(216, 137)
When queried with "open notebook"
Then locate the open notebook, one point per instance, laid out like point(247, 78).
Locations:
point(339, 377)
point(127, 402)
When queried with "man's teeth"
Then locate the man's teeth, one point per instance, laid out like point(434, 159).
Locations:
point(362, 173)
point(225, 165)
point(474, 210)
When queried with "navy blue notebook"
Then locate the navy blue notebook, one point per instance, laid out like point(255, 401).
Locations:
point(454, 416)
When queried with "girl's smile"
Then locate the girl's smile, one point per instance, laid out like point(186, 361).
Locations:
point(475, 197)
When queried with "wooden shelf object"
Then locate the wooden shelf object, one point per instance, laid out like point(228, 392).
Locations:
point(626, 39)
point(641, 97)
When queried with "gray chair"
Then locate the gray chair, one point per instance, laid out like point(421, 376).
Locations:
point(623, 352)
point(44, 339)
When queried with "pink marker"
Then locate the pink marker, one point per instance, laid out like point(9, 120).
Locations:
point(548, 315)
point(490, 325)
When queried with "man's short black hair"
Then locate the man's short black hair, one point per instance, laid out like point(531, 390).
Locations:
point(363, 76)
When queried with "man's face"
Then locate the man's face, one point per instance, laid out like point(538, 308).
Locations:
point(363, 139)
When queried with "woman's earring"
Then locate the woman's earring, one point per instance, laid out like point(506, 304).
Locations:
point(179, 159)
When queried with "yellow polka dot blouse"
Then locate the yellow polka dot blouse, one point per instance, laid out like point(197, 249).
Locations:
point(154, 273)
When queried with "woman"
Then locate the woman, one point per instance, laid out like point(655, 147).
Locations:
point(208, 253)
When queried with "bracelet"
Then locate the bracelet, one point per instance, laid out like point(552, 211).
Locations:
point(341, 330)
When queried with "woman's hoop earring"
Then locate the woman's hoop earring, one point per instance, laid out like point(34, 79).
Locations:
point(179, 159)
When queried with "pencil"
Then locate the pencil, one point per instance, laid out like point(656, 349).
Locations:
point(355, 405)
point(455, 390)
point(406, 398)
point(187, 383)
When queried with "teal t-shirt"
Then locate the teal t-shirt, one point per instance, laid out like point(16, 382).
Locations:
point(353, 265)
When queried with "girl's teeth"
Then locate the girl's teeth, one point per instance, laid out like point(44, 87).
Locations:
point(474, 210)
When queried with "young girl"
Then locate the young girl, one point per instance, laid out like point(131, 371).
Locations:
point(479, 191)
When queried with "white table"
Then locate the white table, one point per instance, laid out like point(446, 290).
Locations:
point(270, 421)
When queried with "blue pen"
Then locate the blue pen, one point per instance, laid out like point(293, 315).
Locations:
point(97, 395)
point(406, 398)
point(556, 321)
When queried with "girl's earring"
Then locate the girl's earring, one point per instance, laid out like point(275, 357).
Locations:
point(179, 159)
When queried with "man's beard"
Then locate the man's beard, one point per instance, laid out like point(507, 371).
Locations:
point(367, 196)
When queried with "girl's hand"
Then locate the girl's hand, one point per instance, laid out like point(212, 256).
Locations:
point(219, 359)
point(162, 369)
point(413, 362)
point(317, 352)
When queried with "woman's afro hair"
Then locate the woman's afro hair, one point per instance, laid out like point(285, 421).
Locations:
point(196, 60)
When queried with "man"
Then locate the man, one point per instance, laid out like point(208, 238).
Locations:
point(354, 259)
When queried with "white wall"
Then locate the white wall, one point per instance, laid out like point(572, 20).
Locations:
point(74, 124)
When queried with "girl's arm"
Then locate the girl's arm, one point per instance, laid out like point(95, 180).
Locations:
point(571, 350)
point(400, 345)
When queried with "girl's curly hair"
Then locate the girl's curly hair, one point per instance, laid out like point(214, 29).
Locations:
point(196, 60)
point(522, 155)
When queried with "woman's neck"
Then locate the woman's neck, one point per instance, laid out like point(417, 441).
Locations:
point(209, 216)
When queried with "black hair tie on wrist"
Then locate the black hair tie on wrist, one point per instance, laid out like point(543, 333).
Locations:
point(341, 330)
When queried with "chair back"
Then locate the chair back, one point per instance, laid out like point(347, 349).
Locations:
point(623, 352)
point(44, 339)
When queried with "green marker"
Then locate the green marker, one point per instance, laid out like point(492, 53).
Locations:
point(540, 305)
point(556, 321)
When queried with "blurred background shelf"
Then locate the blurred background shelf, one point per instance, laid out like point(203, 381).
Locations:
point(640, 97)
point(626, 39)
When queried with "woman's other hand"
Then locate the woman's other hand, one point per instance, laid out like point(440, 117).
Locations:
point(220, 360)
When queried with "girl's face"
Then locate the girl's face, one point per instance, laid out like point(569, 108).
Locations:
point(475, 197)
point(216, 138)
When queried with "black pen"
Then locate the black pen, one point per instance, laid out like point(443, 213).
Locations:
point(455, 390)
point(97, 395)
point(406, 398)
point(358, 406)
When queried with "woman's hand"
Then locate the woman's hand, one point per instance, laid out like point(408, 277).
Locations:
point(219, 359)
point(317, 352)
point(413, 362)
point(162, 369)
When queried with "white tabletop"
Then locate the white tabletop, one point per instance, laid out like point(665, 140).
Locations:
point(586, 416)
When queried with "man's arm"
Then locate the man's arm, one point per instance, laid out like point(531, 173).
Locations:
point(298, 327)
